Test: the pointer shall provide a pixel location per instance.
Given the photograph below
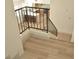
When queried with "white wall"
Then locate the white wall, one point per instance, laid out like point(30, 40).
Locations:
point(18, 2)
point(22, 3)
point(43, 1)
point(62, 14)
point(13, 44)
point(29, 2)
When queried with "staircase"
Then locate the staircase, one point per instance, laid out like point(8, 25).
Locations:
point(39, 48)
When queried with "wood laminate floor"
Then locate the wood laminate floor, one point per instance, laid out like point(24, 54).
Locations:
point(36, 48)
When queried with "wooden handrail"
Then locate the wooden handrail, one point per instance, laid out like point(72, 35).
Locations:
point(31, 7)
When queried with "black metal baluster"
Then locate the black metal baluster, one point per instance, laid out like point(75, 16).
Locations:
point(43, 20)
point(24, 19)
point(23, 12)
point(36, 17)
point(20, 20)
point(40, 17)
point(33, 17)
point(17, 20)
point(47, 19)
point(27, 18)
point(30, 17)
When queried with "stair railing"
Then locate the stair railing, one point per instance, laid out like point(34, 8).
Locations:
point(34, 17)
